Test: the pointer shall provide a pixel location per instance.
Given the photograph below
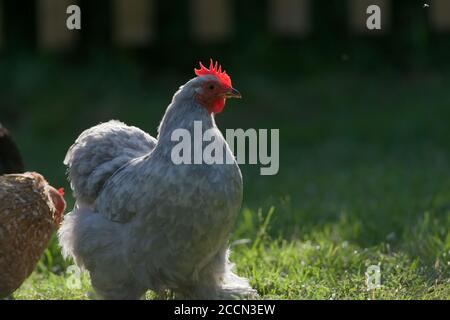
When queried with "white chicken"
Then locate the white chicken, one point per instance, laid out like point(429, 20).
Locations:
point(142, 222)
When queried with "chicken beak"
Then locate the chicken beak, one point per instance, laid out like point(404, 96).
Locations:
point(233, 93)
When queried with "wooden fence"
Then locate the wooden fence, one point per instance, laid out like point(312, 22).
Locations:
point(134, 21)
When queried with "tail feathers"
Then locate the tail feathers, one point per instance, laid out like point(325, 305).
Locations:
point(99, 152)
point(92, 183)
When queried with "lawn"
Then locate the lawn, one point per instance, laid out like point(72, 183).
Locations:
point(364, 171)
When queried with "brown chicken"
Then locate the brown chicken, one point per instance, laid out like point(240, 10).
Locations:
point(30, 210)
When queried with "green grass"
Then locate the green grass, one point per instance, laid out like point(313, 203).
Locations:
point(364, 176)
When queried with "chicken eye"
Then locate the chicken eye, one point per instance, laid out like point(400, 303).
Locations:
point(211, 87)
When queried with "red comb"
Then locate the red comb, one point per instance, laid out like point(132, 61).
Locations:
point(61, 192)
point(215, 70)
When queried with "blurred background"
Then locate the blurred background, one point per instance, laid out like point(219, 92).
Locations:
point(363, 115)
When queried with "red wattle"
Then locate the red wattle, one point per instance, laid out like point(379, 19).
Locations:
point(217, 105)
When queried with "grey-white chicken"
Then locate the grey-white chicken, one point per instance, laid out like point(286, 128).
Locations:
point(142, 222)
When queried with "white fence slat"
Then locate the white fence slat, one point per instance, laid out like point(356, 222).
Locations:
point(52, 30)
point(1, 24)
point(440, 14)
point(211, 20)
point(134, 22)
point(290, 17)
